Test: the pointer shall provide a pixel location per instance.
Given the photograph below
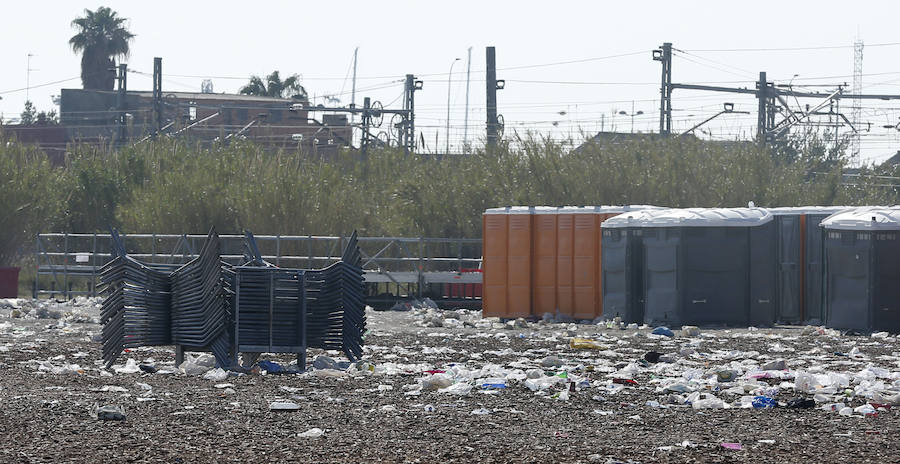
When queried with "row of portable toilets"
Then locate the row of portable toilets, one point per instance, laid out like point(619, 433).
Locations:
point(836, 266)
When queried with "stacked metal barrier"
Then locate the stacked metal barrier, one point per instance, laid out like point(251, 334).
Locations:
point(336, 304)
point(135, 310)
point(201, 310)
point(210, 305)
point(270, 311)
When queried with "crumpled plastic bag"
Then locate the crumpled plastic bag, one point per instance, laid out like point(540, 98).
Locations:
point(197, 365)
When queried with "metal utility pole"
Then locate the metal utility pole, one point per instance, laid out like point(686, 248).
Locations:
point(762, 95)
point(353, 88)
point(157, 93)
point(121, 103)
point(449, 81)
point(28, 77)
point(857, 102)
point(466, 124)
point(366, 122)
point(492, 86)
point(409, 104)
point(664, 56)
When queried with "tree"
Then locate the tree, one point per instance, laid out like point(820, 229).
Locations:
point(31, 117)
point(273, 86)
point(101, 38)
point(29, 114)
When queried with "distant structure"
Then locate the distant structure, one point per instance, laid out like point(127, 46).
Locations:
point(856, 114)
point(206, 86)
point(91, 115)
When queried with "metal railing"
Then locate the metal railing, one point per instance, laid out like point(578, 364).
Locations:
point(395, 267)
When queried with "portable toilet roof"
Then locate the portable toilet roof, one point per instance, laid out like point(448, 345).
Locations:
point(634, 218)
point(706, 217)
point(868, 218)
point(510, 210)
point(782, 210)
point(546, 210)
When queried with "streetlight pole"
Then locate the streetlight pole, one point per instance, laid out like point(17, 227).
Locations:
point(633, 114)
point(449, 76)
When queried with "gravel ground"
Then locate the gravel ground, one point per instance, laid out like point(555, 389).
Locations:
point(389, 417)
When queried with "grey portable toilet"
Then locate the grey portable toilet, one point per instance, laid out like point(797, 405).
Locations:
point(862, 268)
point(799, 250)
point(622, 263)
point(709, 266)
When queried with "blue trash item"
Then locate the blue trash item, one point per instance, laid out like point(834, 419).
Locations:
point(271, 367)
point(493, 386)
point(663, 331)
point(763, 402)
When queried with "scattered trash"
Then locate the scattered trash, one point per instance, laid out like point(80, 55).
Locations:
point(624, 381)
point(585, 344)
point(766, 442)
point(664, 331)
point(777, 365)
point(493, 384)
point(324, 362)
point(216, 375)
point(726, 375)
point(197, 365)
point(108, 412)
point(652, 357)
point(270, 367)
point(801, 403)
point(314, 432)
point(732, 446)
point(283, 406)
point(148, 368)
point(690, 331)
point(551, 361)
point(481, 412)
point(130, 367)
point(429, 408)
point(764, 402)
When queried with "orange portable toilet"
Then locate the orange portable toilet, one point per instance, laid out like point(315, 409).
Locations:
point(545, 260)
point(518, 262)
point(494, 226)
point(565, 252)
point(586, 246)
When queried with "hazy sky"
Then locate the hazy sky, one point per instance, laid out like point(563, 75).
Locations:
point(228, 40)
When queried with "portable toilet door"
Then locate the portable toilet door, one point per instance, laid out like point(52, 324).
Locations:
point(617, 280)
point(814, 275)
point(495, 236)
point(545, 260)
point(861, 251)
point(603, 213)
point(662, 281)
point(565, 252)
point(814, 263)
point(518, 262)
point(585, 256)
point(763, 282)
point(790, 248)
point(622, 279)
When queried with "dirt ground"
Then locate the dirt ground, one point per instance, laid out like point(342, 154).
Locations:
point(387, 417)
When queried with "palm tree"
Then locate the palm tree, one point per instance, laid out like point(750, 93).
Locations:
point(100, 39)
point(273, 86)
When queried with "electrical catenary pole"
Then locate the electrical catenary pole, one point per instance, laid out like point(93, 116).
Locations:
point(494, 121)
point(664, 56)
point(157, 94)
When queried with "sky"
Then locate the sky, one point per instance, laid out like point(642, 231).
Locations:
point(570, 66)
